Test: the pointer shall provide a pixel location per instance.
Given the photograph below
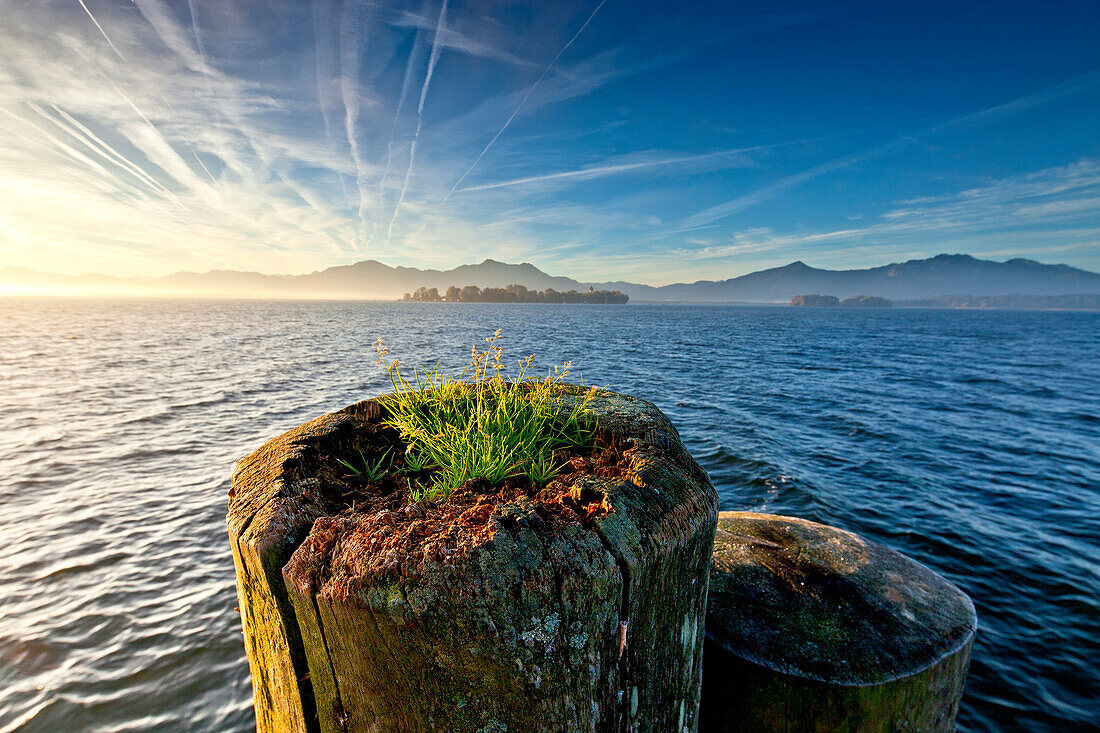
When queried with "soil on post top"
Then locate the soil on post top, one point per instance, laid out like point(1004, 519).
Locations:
point(379, 534)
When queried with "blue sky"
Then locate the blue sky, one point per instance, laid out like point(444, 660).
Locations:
point(651, 142)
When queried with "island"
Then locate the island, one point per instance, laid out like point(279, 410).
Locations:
point(515, 294)
point(815, 301)
point(856, 301)
point(1077, 302)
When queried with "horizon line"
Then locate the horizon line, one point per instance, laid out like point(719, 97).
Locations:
point(489, 260)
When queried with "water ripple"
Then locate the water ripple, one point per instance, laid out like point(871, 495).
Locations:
point(968, 440)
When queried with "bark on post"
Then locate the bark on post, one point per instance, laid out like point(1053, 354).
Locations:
point(594, 627)
point(812, 628)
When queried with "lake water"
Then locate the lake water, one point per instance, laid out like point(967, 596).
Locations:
point(968, 440)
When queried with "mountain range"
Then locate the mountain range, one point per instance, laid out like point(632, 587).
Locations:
point(912, 280)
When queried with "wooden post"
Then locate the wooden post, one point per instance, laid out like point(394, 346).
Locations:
point(591, 626)
point(812, 628)
point(273, 502)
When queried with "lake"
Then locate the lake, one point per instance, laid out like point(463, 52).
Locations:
point(968, 440)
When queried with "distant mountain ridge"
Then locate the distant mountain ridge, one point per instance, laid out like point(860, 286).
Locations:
point(934, 277)
point(916, 279)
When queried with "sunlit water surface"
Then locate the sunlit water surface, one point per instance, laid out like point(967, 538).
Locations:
point(967, 440)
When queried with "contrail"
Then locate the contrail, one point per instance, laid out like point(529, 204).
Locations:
point(191, 147)
point(990, 115)
point(175, 35)
point(746, 201)
point(524, 100)
point(597, 171)
point(606, 170)
point(129, 101)
point(89, 165)
point(432, 60)
point(322, 93)
point(96, 143)
point(349, 70)
point(171, 31)
point(157, 15)
point(206, 76)
point(406, 85)
point(169, 159)
point(97, 25)
point(198, 45)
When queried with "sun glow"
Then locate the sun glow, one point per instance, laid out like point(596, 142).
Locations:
point(20, 290)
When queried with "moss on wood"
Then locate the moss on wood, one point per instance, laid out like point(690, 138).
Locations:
point(813, 628)
point(587, 626)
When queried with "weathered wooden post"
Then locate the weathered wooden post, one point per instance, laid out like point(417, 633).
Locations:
point(811, 628)
point(577, 607)
point(274, 499)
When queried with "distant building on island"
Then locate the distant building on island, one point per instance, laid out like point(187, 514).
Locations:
point(858, 301)
point(514, 294)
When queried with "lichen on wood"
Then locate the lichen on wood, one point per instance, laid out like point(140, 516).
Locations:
point(545, 625)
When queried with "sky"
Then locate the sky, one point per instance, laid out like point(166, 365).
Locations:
point(652, 142)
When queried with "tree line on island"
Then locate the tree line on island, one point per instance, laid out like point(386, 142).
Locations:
point(514, 294)
point(858, 301)
point(1081, 301)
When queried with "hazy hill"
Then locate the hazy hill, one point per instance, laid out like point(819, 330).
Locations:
point(913, 280)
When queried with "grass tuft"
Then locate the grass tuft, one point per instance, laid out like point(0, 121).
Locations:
point(481, 425)
point(372, 470)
